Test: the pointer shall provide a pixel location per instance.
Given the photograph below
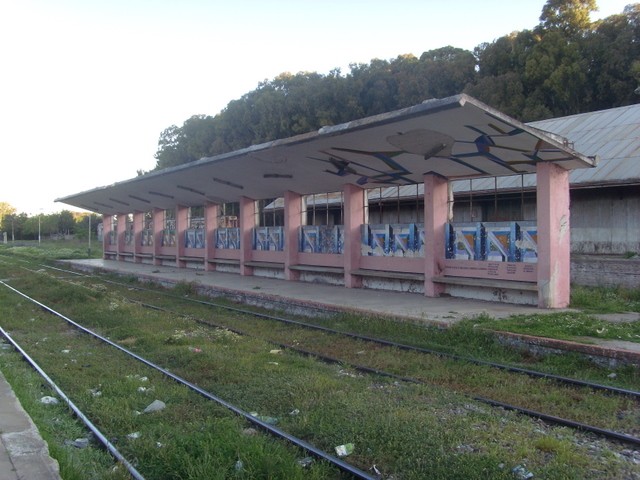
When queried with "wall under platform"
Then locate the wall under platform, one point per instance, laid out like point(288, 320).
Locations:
point(605, 271)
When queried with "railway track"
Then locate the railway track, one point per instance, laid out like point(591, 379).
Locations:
point(630, 439)
point(99, 435)
point(292, 346)
point(254, 420)
point(366, 338)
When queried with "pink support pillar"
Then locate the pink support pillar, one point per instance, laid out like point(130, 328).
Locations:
point(435, 219)
point(247, 224)
point(106, 234)
point(353, 218)
point(210, 226)
point(554, 263)
point(292, 223)
point(158, 227)
point(138, 225)
point(182, 219)
point(122, 230)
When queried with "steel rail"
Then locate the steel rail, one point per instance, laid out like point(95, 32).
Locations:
point(389, 343)
point(342, 465)
point(105, 442)
point(610, 434)
point(628, 439)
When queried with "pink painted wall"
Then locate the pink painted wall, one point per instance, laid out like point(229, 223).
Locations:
point(182, 215)
point(353, 219)
point(268, 256)
point(393, 264)
point(517, 271)
point(106, 230)
point(554, 276)
point(435, 218)
point(247, 223)
point(210, 224)
point(321, 259)
point(292, 223)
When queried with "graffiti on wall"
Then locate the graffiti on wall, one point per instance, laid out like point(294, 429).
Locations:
point(268, 238)
point(194, 238)
point(227, 238)
point(322, 239)
point(393, 240)
point(492, 241)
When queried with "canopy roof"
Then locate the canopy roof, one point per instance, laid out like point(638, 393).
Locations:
point(455, 137)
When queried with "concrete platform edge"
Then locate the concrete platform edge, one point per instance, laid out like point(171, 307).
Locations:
point(602, 354)
point(24, 455)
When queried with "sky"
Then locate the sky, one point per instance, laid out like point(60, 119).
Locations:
point(87, 86)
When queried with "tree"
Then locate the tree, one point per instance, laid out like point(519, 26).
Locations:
point(555, 76)
point(570, 17)
point(448, 70)
point(13, 223)
point(192, 141)
point(82, 225)
point(612, 52)
point(6, 209)
point(66, 223)
point(564, 65)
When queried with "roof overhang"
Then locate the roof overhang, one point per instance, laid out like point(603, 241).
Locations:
point(456, 137)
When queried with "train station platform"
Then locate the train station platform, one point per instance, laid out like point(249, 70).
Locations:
point(304, 297)
point(442, 311)
point(24, 455)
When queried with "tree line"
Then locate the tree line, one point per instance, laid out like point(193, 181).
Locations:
point(564, 65)
point(21, 226)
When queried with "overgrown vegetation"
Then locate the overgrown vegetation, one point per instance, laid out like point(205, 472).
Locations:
point(605, 299)
point(406, 431)
point(53, 250)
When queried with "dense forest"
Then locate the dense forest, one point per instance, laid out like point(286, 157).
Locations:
point(564, 65)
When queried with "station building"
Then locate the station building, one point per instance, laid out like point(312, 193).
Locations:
point(605, 200)
point(320, 207)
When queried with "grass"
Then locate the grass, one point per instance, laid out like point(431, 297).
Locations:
point(56, 425)
point(52, 250)
point(564, 325)
point(605, 300)
point(406, 431)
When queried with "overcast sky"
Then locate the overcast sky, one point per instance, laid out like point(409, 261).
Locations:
point(87, 86)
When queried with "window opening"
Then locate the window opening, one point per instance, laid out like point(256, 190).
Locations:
point(229, 217)
point(147, 229)
point(324, 209)
point(195, 217)
point(128, 231)
point(270, 212)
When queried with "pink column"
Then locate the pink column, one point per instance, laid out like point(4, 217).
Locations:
point(106, 231)
point(353, 218)
point(158, 226)
point(554, 262)
point(210, 226)
point(138, 225)
point(247, 224)
point(122, 229)
point(292, 223)
point(435, 219)
point(182, 217)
